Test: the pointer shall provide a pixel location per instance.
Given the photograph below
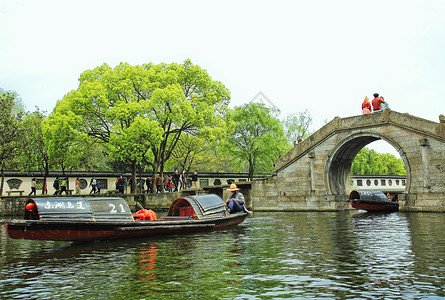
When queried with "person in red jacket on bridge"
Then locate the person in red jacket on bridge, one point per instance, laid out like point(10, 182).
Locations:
point(376, 103)
point(366, 106)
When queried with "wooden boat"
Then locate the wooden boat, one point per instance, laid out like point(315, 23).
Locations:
point(373, 201)
point(87, 219)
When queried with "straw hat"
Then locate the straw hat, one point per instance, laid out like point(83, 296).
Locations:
point(233, 188)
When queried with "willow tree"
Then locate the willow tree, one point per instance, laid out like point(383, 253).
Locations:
point(370, 162)
point(140, 112)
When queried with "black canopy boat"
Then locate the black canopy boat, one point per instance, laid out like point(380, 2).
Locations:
point(373, 201)
point(88, 219)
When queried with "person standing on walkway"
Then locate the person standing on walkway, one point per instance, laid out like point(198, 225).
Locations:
point(183, 180)
point(165, 182)
point(170, 183)
point(93, 185)
point(120, 185)
point(158, 183)
point(63, 186)
point(98, 185)
point(195, 179)
point(33, 187)
point(148, 183)
point(175, 178)
point(45, 188)
point(77, 186)
point(56, 186)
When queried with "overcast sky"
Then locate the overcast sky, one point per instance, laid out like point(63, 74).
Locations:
point(323, 56)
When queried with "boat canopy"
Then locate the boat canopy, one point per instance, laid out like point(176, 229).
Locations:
point(198, 206)
point(368, 196)
point(101, 209)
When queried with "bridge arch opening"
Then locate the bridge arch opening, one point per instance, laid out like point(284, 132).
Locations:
point(338, 166)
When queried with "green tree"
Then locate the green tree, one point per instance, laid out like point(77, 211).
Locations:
point(188, 149)
point(11, 131)
point(257, 138)
point(34, 154)
point(297, 126)
point(393, 165)
point(369, 162)
point(66, 147)
point(196, 153)
point(194, 105)
point(140, 112)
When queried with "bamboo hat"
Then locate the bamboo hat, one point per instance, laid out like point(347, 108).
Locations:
point(233, 188)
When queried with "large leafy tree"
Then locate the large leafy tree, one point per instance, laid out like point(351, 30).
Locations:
point(257, 138)
point(11, 130)
point(66, 147)
point(140, 112)
point(369, 162)
point(194, 105)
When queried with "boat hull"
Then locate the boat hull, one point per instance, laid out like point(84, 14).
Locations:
point(90, 231)
point(374, 206)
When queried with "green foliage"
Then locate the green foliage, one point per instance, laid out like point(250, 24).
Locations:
point(132, 143)
point(11, 128)
point(198, 153)
point(66, 146)
point(11, 131)
point(34, 154)
point(369, 162)
point(297, 125)
point(257, 138)
point(140, 112)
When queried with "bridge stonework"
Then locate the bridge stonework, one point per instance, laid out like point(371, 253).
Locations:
point(314, 174)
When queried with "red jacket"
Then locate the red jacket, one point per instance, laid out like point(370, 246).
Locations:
point(366, 104)
point(376, 102)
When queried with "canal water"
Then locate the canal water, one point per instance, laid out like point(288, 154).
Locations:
point(313, 255)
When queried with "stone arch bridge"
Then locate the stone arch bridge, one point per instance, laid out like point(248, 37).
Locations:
point(314, 174)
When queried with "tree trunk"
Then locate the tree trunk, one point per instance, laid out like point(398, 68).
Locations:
point(2, 183)
point(44, 183)
point(153, 178)
point(140, 179)
point(133, 176)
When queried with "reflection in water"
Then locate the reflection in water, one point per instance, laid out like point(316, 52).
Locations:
point(147, 261)
point(384, 246)
point(428, 247)
point(271, 255)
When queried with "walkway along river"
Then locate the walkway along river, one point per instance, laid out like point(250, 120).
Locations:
point(323, 255)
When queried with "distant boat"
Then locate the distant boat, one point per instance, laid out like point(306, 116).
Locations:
point(108, 218)
point(372, 201)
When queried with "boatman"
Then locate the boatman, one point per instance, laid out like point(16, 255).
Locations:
point(236, 201)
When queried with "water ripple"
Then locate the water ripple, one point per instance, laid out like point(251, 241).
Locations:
point(270, 256)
